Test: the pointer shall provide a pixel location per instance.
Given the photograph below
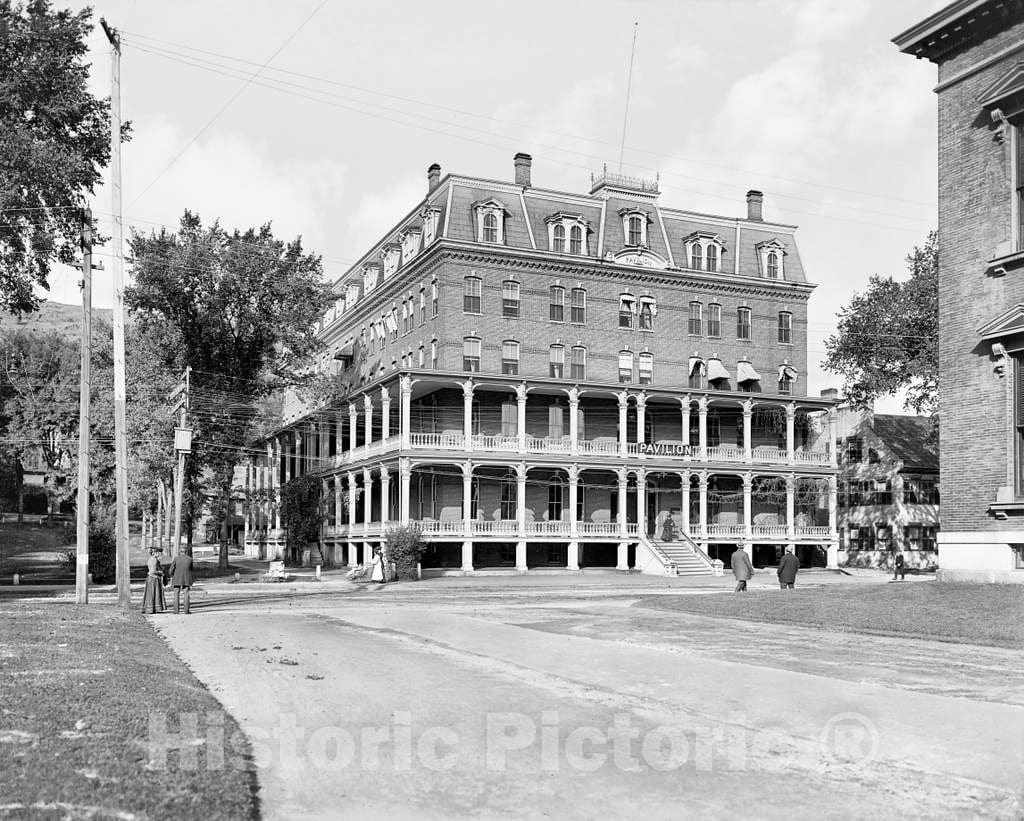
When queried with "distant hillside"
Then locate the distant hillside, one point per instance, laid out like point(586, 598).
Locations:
point(53, 316)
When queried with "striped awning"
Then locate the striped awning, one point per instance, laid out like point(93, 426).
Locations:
point(716, 370)
point(697, 366)
point(787, 371)
point(745, 372)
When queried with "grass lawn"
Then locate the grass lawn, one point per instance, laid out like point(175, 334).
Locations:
point(80, 687)
point(991, 614)
point(34, 551)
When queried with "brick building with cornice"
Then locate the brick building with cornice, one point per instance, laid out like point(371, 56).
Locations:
point(541, 379)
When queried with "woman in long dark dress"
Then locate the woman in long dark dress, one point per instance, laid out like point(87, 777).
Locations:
point(153, 598)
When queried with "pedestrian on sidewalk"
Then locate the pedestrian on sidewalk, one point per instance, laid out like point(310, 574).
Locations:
point(899, 568)
point(788, 565)
point(742, 569)
point(153, 598)
point(377, 574)
point(181, 579)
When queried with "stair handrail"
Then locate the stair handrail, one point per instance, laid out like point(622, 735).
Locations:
point(666, 563)
point(700, 554)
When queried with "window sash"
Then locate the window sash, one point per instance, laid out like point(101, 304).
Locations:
point(743, 323)
point(785, 327)
point(635, 231)
point(646, 316)
point(578, 308)
point(576, 240)
point(712, 258)
point(714, 320)
point(578, 363)
point(558, 239)
point(510, 299)
point(556, 311)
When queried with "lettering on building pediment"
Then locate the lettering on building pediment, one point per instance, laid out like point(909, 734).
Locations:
point(642, 258)
point(663, 449)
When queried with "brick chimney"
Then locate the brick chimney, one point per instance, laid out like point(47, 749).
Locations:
point(523, 162)
point(433, 177)
point(755, 200)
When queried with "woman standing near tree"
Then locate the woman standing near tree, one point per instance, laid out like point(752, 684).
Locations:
point(153, 598)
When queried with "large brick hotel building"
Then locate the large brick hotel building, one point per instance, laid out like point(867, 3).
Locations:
point(541, 379)
point(978, 46)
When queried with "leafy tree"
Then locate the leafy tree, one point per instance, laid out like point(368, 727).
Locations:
point(302, 512)
point(405, 547)
point(887, 337)
point(54, 143)
point(239, 308)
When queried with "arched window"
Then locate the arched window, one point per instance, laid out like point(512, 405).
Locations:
point(646, 366)
point(636, 229)
point(743, 323)
point(556, 309)
point(578, 312)
point(510, 357)
point(490, 228)
point(471, 354)
point(785, 327)
point(696, 327)
point(696, 256)
point(576, 240)
point(510, 299)
point(472, 295)
point(558, 239)
point(578, 363)
point(508, 495)
point(556, 497)
point(625, 367)
point(773, 265)
point(712, 257)
point(556, 361)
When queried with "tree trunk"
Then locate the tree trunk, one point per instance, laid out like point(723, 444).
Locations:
point(225, 531)
point(20, 479)
point(188, 528)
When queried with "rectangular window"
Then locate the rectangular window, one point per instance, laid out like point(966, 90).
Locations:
point(625, 367)
point(510, 299)
point(578, 307)
point(743, 323)
point(785, 327)
point(627, 305)
point(646, 314)
point(433, 300)
point(556, 424)
point(433, 354)
point(714, 320)
point(509, 418)
point(578, 363)
point(420, 358)
point(510, 357)
point(556, 491)
point(471, 355)
point(646, 361)
point(882, 493)
point(472, 296)
point(508, 498)
point(556, 361)
point(556, 311)
point(696, 327)
point(423, 307)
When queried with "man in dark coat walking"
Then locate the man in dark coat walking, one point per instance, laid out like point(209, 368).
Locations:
point(181, 579)
point(788, 565)
point(742, 569)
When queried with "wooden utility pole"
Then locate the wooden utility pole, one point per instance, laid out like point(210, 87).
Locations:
point(183, 446)
point(124, 591)
point(84, 390)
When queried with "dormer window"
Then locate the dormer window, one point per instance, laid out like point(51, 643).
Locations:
point(704, 251)
point(391, 256)
point(771, 256)
point(634, 227)
point(490, 220)
point(371, 276)
point(567, 233)
point(410, 243)
point(431, 218)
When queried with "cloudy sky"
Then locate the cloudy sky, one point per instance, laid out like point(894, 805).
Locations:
point(321, 116)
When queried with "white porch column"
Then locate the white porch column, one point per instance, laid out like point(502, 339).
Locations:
point(405, 472)
point(748, 507)
point(467, 414)
point(521, 556)
point(623, 397)
point(685, 405)
point(338, 504)
point(790, 505)
point(574, 479)
point(641, 501)
point(748, 413)
point(702, 478)
point(385, 495)
point(621, 511)
point(790, 432)
point(573, 555)
point(385, 413)
point(833, 446)
point(353, 426)
point(702, 429)
point(521, 501)
point(574, 421)
point(368, 414)
point(641, 416)
point(286, 452)
point(685, 482)
point(351, 501)
point(521, 416)
point(367, 498)
point(467, 556)
point(833, 525)
point(467, 499)
point(250, 470)
point(299, 453)
point(406, 411)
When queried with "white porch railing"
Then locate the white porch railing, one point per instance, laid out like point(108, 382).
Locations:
point(726, 454)
point(499, 441)
point(547, 528)
point(438, 441)
point(447, 528)
point(601, 447)
point(496, 527)
point(736, 531)
point(597, 528)
point(548, 444)
point(769, 530)
point(813, 530)
point(812, 457)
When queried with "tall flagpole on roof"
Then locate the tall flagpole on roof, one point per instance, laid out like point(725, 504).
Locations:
point(629, 88)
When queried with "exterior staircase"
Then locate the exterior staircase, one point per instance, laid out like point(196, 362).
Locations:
point(682, 557)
